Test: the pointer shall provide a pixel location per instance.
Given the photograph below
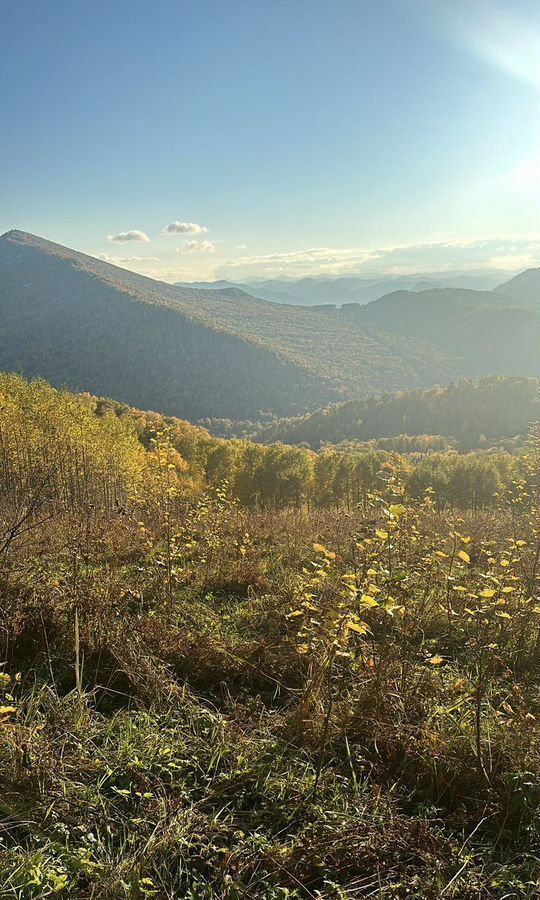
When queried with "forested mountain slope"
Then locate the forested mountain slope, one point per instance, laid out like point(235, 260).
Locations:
point(490, 332)
point(81, 322)
point(473, 413)
point(524, 288)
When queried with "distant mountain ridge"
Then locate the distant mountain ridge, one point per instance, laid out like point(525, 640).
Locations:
point(336, 290)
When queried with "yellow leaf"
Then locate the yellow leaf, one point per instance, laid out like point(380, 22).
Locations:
point(503, 615)
point(487, 593)
point(367, 600)
point(7, 710)
point(382, 535)
point(358, 627)
point(436, 660)
point(464, 556)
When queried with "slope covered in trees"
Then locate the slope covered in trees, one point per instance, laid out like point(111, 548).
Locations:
point(523, 288)
point(490, 332)
point(81, 322)
point(206, 698)
point(73, 440)
point(474, 414)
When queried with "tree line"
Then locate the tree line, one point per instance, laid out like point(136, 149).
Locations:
point(62, 450)
point(471, 415)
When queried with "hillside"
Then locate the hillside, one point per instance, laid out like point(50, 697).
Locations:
point(474, 414)
point(524, 288)
point(81, 322)
point(272, 475)
point(489, 331)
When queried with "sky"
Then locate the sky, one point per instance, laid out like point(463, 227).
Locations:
point(250, 139)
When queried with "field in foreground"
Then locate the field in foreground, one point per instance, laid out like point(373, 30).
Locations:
point(204, 699)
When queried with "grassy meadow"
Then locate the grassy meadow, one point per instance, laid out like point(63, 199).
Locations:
point(221, 678)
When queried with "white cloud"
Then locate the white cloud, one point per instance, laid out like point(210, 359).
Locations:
point(185, 228)
point(198, 247)
point(452, 254)
point(172, 275)
point(123, 237)
point(513, 262)
point(120, 260)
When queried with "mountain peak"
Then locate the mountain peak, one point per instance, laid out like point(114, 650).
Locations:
point(16, 234)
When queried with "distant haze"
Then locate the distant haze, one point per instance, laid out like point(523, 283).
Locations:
point(336, 290)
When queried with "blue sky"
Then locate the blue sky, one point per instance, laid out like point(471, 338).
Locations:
point(301, 136)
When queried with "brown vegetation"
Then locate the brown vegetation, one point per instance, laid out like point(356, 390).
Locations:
point(204, 698)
